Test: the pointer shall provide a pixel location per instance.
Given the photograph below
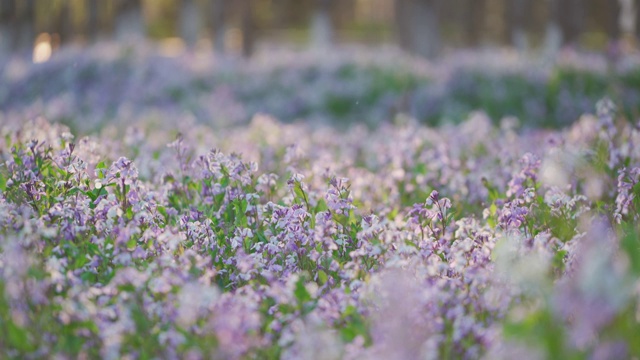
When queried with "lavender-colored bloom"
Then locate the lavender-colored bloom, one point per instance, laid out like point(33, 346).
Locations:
point(396, 241)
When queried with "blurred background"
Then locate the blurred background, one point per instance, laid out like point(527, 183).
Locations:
point(89, 63)
point(427, 28)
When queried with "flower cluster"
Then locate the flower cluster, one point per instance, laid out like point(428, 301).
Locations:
point(290, 240)
point(125, 84)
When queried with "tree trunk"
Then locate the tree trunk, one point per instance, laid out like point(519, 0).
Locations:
point(418, 28)
point(518, 21)
point(553, 33)
point(321, 24)
point(220, 10)
point(573, 20)
point(64, 25)
point(23, 27)
point(190, 23)
point(475, 12)
point(129, 21)
point(613, 28)
point(426, 28)
point(637, 20)
point(93, 19)
point(7, 25)
point(248, 28)
point(627, 19)
point(403, 30)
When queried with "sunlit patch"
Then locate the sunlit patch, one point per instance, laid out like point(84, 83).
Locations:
point(594, 187)
point(172, 47)
point(233, 39)
point(42, 49)
point(553, 172)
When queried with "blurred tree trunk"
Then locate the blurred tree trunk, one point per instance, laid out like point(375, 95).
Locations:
point(220, 11)
point(22, 33)
point(189, 22)
point(517, 18)
point(573, 19)
point(418, 27)
point(474, 14)
point(553, 33)
point(248, 28)
point(612, 22)
point(28, 28)
point(613, 31)
point(321, 24)
point(403, 30)
point(64, 24)
point(8, 13)
point(129, 20)
point(627, 19)
point(93, 19)
point(637, 21)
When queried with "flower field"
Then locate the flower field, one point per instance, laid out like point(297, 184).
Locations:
point(150, 208)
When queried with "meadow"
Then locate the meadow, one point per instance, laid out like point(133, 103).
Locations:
point(353, 205)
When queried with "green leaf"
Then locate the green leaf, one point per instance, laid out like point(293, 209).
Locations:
point(93, 249)
point(301, 292)
point(411, 243)
point(88, 277)
point(354, 328)
point(322, 277)
point(99, 166)
point(494, 194)
point(321, 206)
point(558, 260)
point(162, 210)
point(421, 168)
point(79, 262)
point(18, 337)
point(95, 193)
point(240, 207)
point(636, 199)
point(297, 189)
point(74, 191)
point(349, 310)
point(129, 213)
point(3, 182)
point(631, 246)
